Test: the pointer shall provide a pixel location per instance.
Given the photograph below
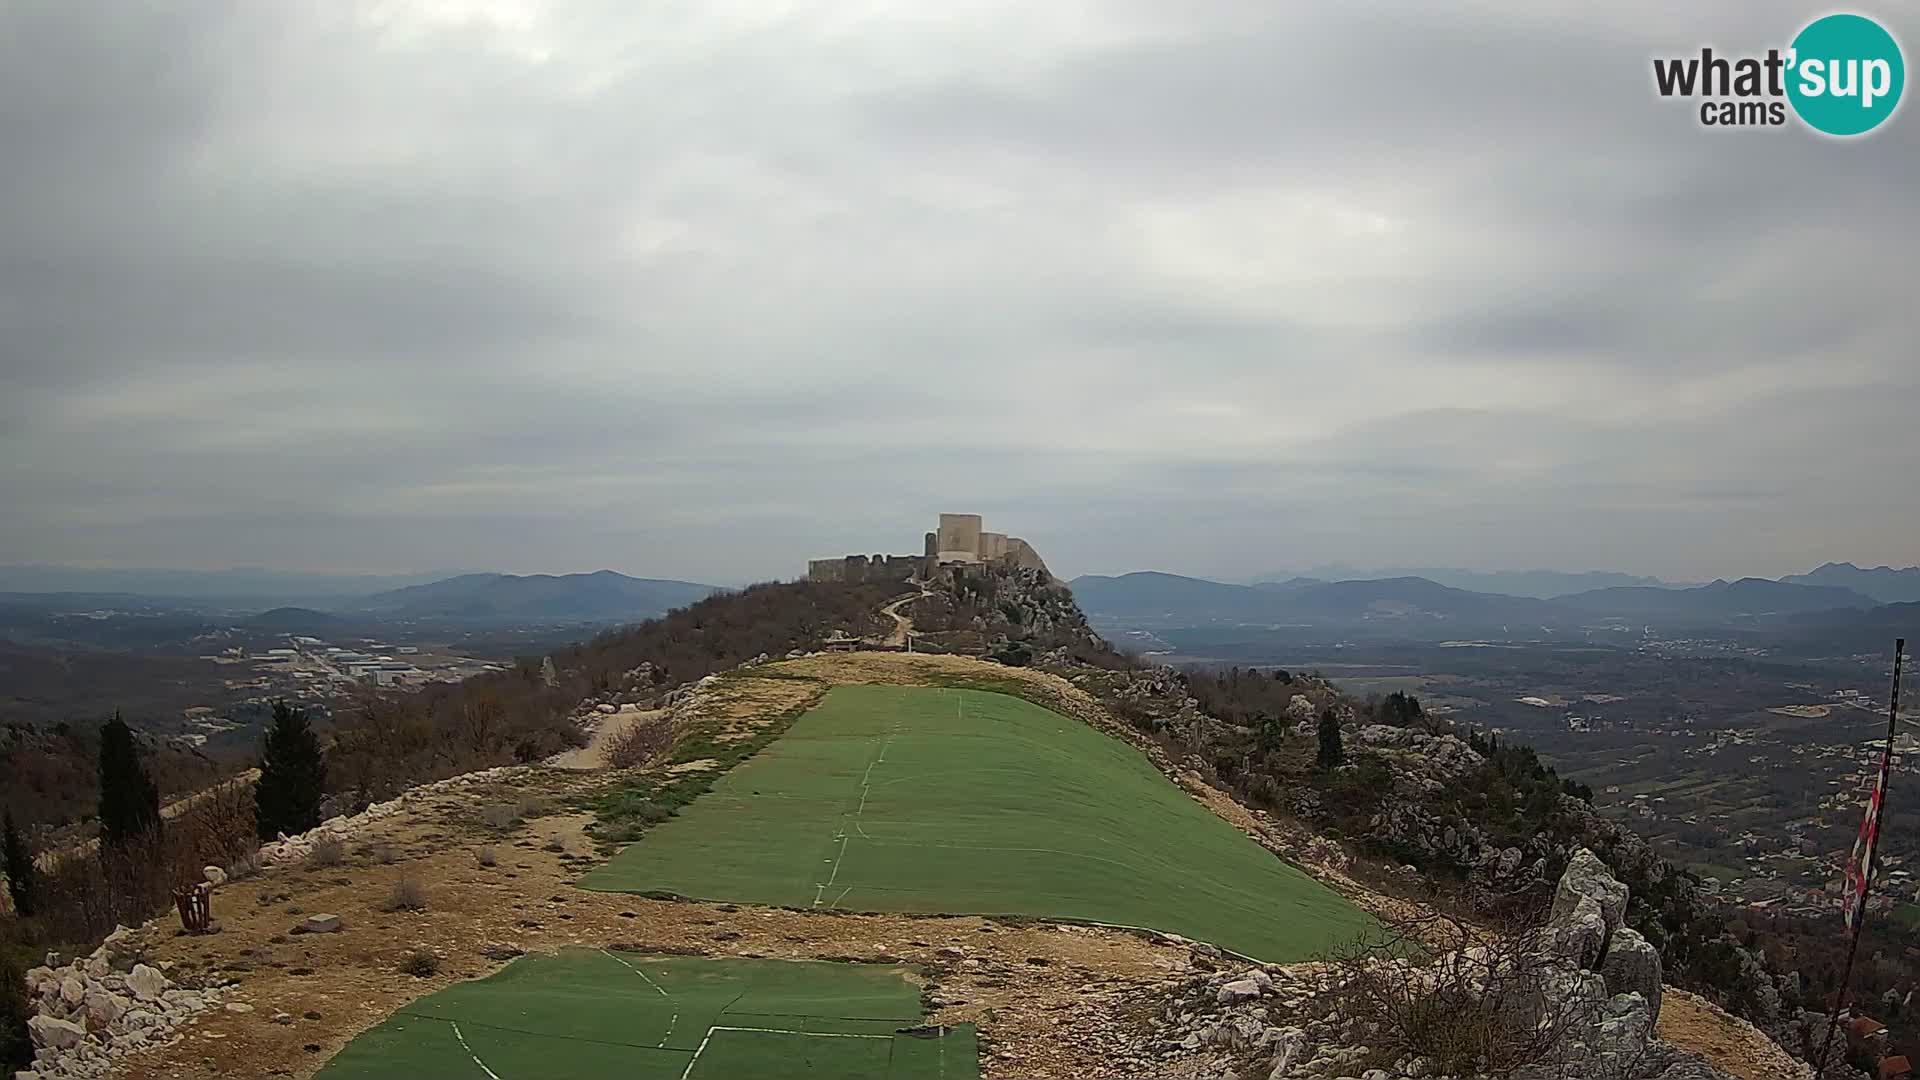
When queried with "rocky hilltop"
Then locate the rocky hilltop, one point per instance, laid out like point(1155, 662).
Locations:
point(1448, 839)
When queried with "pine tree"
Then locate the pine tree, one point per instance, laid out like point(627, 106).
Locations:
point(129, 801)
point(19, 865)
point(1331, 752)
point(293, 775)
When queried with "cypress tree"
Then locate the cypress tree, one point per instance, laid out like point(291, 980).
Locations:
point(129, 801)
point(20, 869)
point(16, 1042)
point(1331, 752)
point(293, 775)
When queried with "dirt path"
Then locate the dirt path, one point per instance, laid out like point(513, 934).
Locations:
point(594, 754)
point(902, 625)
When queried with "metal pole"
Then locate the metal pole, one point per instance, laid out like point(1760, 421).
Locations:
point(1866, 883)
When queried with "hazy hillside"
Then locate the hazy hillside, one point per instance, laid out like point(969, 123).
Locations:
point(1538, 584)
point(1851, 630)
point(1717, 601)
point(1416, 604)
point(600, 596)
point(1882, 583)
point(225, 586)
point(1151, 594)
point(1170, 599)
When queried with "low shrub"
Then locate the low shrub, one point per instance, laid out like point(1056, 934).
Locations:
point(327, 851)
point(500, 816)
point(1466, 1000)
point(420, 963)
point(485, 856)
point(407, 895)
point(640, 744)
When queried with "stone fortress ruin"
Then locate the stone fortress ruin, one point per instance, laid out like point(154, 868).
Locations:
point(958, 540)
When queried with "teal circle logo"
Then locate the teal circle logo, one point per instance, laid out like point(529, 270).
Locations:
point(1845, 74)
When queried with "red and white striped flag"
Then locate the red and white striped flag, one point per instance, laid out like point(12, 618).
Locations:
point(1860, 863)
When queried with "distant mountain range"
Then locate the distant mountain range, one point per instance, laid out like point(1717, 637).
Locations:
point(1883, 583)
point(1151, 599)
point(1539, 584)
point(308, 603)
point(603, 596)
point(205, 585)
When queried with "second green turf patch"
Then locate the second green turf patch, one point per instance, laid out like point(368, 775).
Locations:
point(917, 799)
point(588, 1012)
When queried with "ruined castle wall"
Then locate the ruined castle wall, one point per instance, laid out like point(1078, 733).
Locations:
point(859, 568)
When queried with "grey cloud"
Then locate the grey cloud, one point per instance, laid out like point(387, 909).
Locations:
point(383, 286)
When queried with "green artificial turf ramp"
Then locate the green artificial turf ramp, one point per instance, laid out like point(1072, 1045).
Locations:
point(590, 1013)
point(889, 798)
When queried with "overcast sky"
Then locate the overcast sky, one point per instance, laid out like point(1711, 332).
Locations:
point(702, 289)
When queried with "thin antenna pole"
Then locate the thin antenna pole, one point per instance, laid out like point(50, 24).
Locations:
point(1866, 880)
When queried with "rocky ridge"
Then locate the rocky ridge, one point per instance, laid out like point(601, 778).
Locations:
point(1585, 986)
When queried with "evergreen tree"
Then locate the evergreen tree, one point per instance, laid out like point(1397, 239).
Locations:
point(16, 1042)
point(1273, 733)
point(129, 801)
point(1331, 752)
point(293, 775)
point(19, 865)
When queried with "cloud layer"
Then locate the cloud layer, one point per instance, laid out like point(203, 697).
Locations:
point(702, 289)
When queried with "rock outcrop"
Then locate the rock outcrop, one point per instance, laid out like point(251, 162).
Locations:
point(1582, 993)
point(90, 1013)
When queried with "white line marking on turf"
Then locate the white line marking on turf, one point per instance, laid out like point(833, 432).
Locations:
point(866, 786)
point(708, 1037)
point(675, 1019)
point(470, 1053)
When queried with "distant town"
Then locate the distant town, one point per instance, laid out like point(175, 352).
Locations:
point(310, 669)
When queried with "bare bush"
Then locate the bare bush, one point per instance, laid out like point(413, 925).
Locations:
point(382, 852)
point(247, 864)
point(499, 816)
point(420, 963)
point(1468, 1000)
point(327, 851)
point(531, 807)
point(407, 895)
point(640, 744)
point(485, 856)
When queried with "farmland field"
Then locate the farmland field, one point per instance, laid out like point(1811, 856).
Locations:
point(915, 799)
point(588, 1012)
